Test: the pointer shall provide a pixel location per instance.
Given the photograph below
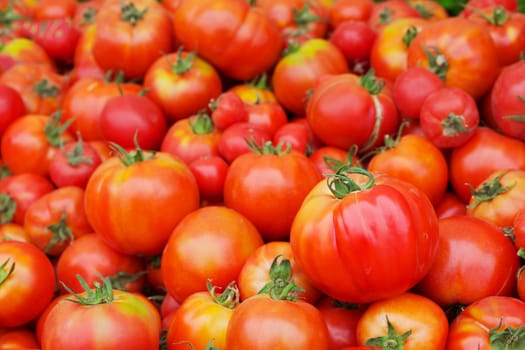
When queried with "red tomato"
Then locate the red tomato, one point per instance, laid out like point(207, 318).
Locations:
point(408, 321)
point(411, 88)
point(485, 152)
point(27, 283)
point(255, 90)
point(376, 258)
point(131, 316)
point(74, 164)
point(13, 232)
point(192, 138)
point(56, 219)
point(182, 84)
point(265, 115)
point(238, 39)
point(510, 5)
point(328, 159)
point(448, 117)
point(459, 51)
point(31, 141)
point(210, 243)
point(298, 134)
point(261, 270)
point(23, 50)
point(131, 36)
point(227, 109)
point(11, 106)
point(387, 12)
point(489, 323)
point(297, 72)
point(474, 260)
point(233, 143)
point(131, 120)
point(268, 185)
point(18, 338)
point(18, 192)
point(84, 64)
point(54, 9)
point(351, 11)
point(115, 203)
point(91, 258)
point(450, 204)
point(210, 173)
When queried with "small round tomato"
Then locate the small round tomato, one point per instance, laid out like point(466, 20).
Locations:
point(11, 106)
point(298, 134)
point(450, 204)
point(350, 11)
point(267, 116)
point(227, 109)
point(210, 173)
point(233, 143)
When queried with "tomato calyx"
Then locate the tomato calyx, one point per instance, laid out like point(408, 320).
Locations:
point(454, 124)
point(498, 17)
point(76, 156)
point(183, 64)
point(53, 130)
point(437, 62)
point(61, 232)
point(391, 341)
point(304, 16)
point(423, 11)
point(131, 14)
point(88, 16)
point(45, 89)
point(7, 208)
point(371, 83)
point(4, 274)
point(134, 156)
point(281, 286)
point(510, 338)
point(202, 124)
point(488, 191)
point(341, 185)
point(335, 164)
point(100, 294)
point(385, 16)
point(267, 147)
point(8, 16)
point(5, 171)
point(229, 298)
point(121, 279)
point(410, 35)
point(520, 118)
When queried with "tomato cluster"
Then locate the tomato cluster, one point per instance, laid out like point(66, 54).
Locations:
point(264, 174)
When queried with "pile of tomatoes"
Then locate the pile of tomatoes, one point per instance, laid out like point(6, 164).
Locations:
point(264, 174)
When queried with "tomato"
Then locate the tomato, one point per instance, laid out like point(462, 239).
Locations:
point(485, 152)
point(192, 138)
point(267, 116)
point(209, 243)
point(27, 283)
point(54, 9)
point(210, 173)
point(298, 134)
point(499, 198)
point(127, 119)
point(18, 338)
point(350, 10)
point(255, 90)
point(238, 39)
point(232, 143)
point(74, 164)
point(131, 316)
point(389, 52)
point(297, 72)
point(13, 232)
point(408, 321)
point(123, 38)
point(18, 192)
point(259, 271)
point(268, 186)
point(91, 258)
point(31, 141)
point(327, 159)
point(341, 320)
point(448, 117)
point(416, 160)
point(11, 106)
point(84, 64)
point(167, 310)
point(182, 84)
point(459, 51)
point(508, 101)
point(95, 93)
point(41, 88)
point(474, 260)
point(203, 317)
point(492, 322)
point(411, 88)
point(509, 5)
point(347, 109)
point(227, 109)
point(387, 12)
point(56, 219)
point(450, 204)
point(376, 258)
point(22, 50)
point(115, 203)
point(154, 280)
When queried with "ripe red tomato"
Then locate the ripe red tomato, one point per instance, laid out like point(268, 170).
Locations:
point(209, 243)
point(267, 116)
point(227, 109)
point(387, 12)
point(298, 134)
point(11, 106)
point(450, 204)
point(329, 233)
point(328, 159)
point(232, 143)
point(210, 173)
point(27, 283)
point(126, 119)
point(474, 260)
point(84, 64)
point(54, 9)
point(349, 11)
point(21, 50)
point(18, 338)
point(13, 232)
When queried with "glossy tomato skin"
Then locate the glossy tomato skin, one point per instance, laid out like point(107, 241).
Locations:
point(472, 328)
point(18, 338)
point(124, 41)
point(127, 117)
point(240, 40)
point(269, 188)
point(89, 257)
point(227, 109)
point(13, 232)
point(450, 204)
point(11, 106)
point(115, 202)
point(29, 288)
point(325, 229)
point(210, 173)
point(425, 319)
point(485, 152)
point(130, 319)
point(299, 135)
point(232, 143)
point(385, 13)
point(467, 49)
point(212, 242)
point(182, 84)
point(355, 40)
point(302, 327)
point(327, 158)
point(474, 260)
point(349, 11)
